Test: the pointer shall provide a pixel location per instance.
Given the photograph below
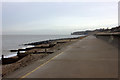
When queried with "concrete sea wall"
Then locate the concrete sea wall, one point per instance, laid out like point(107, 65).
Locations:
point(113, 39)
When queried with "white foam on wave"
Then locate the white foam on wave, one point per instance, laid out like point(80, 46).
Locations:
point(8, 56)
point(12, 55)
point(22, 51)
point(15, 53)
point(28, 46)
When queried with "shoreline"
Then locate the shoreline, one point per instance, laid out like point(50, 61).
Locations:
point(31, 44)
point(38, 53)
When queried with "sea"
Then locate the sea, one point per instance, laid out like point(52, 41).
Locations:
point(13, 42)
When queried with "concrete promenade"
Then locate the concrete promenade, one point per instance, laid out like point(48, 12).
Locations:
point(87, 58)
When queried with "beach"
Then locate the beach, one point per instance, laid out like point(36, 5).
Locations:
point(14, 42)
point(88, 57)
point(37, 53)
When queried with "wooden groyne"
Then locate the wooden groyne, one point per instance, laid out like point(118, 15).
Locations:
point(13, 59)
point(42, 45)
point(50, 41)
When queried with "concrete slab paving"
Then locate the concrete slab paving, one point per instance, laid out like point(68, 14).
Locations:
point(87, 58)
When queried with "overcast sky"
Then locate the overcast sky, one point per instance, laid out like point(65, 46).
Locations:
point(57, 17)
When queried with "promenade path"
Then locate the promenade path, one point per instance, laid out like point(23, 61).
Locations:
point(86, 58)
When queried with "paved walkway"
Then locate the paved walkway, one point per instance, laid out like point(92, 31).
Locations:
point(87, 58)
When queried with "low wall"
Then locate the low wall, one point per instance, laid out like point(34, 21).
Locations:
point(113, 39)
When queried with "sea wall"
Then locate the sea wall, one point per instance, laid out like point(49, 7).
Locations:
point(112, 38)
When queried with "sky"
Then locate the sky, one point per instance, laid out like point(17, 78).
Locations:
point(58, 18)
